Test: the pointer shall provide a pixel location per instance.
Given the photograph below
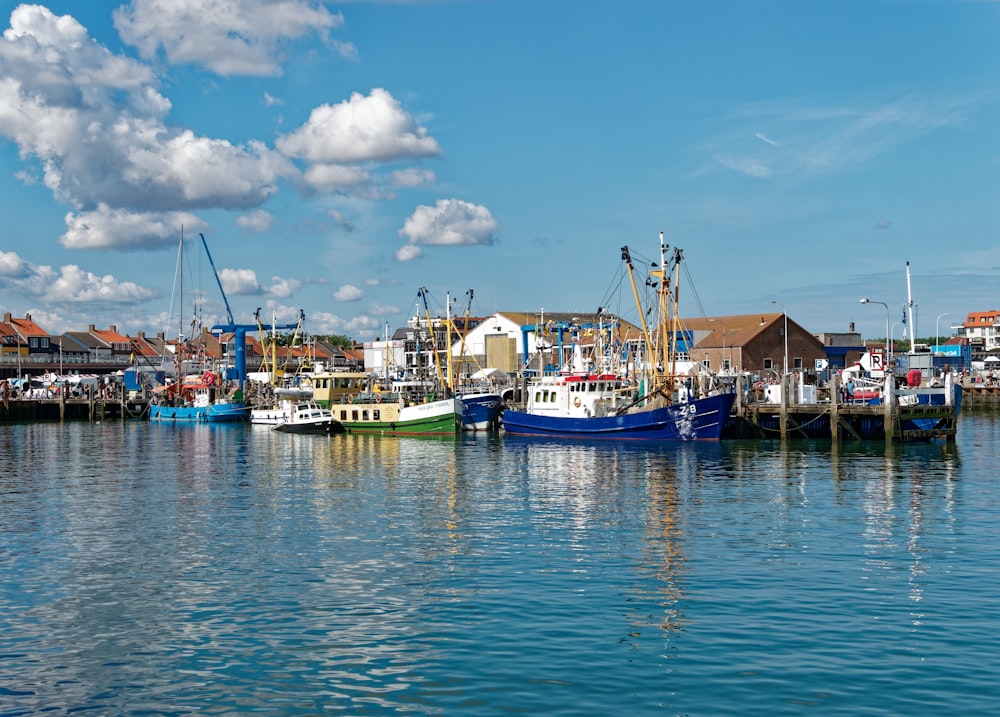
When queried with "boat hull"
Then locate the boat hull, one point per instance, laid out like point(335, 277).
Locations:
point(316, 427)
point(226, 413)
point(435, 418)
point(701, 419)
point(480, 411)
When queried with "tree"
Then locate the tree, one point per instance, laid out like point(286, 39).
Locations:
point(342, 342)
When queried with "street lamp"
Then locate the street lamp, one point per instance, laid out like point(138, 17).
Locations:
point(785, 314)
point(872, 301)
point(723, 336)
point(937, 336)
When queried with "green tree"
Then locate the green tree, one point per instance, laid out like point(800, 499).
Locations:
point(343, 342)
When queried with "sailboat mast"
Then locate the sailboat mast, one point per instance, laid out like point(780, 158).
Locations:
point(180, 305)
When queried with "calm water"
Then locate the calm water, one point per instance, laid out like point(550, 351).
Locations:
point(232, 570)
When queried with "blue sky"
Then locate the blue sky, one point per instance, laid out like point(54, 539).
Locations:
point(340, 156)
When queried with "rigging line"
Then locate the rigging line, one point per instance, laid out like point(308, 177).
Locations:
point(693, 290)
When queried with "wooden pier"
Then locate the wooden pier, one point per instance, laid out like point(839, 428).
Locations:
point(94, 408)
point(892, 420)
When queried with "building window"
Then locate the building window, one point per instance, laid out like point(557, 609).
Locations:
point(797, 363)
point(768, 364)
point(33, 342)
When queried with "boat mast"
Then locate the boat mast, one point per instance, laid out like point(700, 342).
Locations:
point(627, 258)
point(909, 309)
point(422, 293)
point(663, 292)
point(385, 332)
point(675, 313)
point(180, 305)
point(274, 349)
point(449, 384)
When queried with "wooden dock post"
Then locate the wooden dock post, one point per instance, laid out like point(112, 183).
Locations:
point(889, 404)
point(834, 407)
point(783, 415)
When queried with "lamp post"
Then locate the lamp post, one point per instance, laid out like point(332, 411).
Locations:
point(716, 321)
point(872, 301)
point(892, 332)
point(937, 336)
point(785, 314)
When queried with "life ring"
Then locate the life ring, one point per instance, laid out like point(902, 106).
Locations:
point(350, 398)
point(378, 398)
point(576, 401)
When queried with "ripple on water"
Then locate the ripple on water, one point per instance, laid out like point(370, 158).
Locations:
point(171, 570)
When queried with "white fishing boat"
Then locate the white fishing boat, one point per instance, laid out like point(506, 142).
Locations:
point(295, 411)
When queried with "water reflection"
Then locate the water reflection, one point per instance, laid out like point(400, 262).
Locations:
point(243, 570)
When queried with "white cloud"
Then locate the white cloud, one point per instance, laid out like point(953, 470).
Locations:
point(408, 252)
point(361, 129)
point(239, 281)
point(335, 176)
point(412, 177)
point(228, 38)
point(348, 293)
point(283, 288)
point(68, 285)
point(824, 139)
point(107, 228)
point(383, 310)
point(94, 124)
point(12, 265)
point(347, 50)
point(256, 221)
point(451, 222)
point(745, 165)
point(73, 284)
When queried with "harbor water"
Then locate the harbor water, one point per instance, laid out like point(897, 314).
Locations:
point(233, 570)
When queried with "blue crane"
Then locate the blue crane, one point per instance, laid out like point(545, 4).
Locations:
point(240, 330)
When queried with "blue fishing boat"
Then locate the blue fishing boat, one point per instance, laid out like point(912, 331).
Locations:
point(642, 399)
point(198, 400)
point(608, 406)
point(480, 410)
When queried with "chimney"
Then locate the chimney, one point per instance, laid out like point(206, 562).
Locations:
point(6, 318)
point(113, 328)
point(852, 327)
point(91, 328)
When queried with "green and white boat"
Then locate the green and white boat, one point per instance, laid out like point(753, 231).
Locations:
point(389, 413)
